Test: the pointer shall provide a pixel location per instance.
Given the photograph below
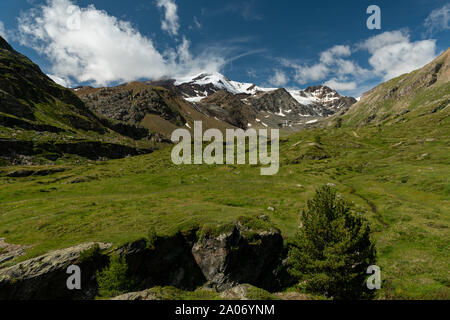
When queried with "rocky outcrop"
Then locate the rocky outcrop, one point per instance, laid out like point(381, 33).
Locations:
point(280, 101)
point(166, 262)
point(249, 251)
point(145, 295)
point(93, 150)
point(10, 251)
point(239, 292)
point(131, 102)
point(229, 108)
point(241, 255)
point(45, 277)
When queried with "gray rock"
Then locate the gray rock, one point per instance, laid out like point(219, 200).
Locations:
point(240, 256)
point(45, 277)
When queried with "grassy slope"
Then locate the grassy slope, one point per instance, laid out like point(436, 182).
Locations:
point(398, 174)
point(23, 86)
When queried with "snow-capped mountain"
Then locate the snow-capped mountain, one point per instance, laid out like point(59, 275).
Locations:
point(204, 83)
point(313, 101)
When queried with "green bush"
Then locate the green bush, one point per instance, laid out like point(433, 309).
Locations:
point(90, 255)
point(332, 251)
point(152, 237)
point(113, 280)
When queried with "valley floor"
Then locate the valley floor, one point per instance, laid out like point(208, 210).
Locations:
point(402, 183)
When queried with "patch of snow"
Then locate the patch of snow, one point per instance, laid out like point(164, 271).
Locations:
point(194, 99)
point(221, 83)
point(281, 114)
point(312, 121)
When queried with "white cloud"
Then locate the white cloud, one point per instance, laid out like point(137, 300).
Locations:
point(329, 56)
point(196, 24)
point(278, 79)
point(3, 31)
point(88, 45)
point(341, 85)
point(332, 61)
point(170, 22)
point(60, 81)
point(438, 19)
point(393, 54)
point(313, 73)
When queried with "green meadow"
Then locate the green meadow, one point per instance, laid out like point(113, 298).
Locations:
point(397, 175)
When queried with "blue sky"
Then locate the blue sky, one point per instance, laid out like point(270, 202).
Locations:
point(291, 44)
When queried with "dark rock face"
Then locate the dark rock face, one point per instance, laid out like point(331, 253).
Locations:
point(330, 100)
point(129, 104)
point(239, 257)
point(280, 99)
point(185, 261)
point(45, 277)
point(92, 150)
point(229, 108)
point(169, 262)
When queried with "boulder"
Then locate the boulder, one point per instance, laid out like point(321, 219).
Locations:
point(241, 255)
point(45, 277)
point(166, 262)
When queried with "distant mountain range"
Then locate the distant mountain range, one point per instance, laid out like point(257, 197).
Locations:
point(313, 101)
point(216, 100)
point(41, 121)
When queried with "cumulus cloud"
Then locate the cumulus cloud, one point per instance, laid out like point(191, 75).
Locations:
point(88, 45)
point(438, 20)
point(311, 73)
point(332, 61)
point(329, 56)
point(393, 54)
point(170, 22)
point(63, 82)
point(341, 85)
point(279, 79)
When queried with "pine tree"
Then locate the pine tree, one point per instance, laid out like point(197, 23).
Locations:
point(113, 280)
point(332, 251)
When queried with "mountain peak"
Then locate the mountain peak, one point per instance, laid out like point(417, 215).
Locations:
point(5, 45)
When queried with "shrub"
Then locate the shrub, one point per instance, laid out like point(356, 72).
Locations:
point(113, 280)
point(332, 251)
point(152, 237)
point(90, 255)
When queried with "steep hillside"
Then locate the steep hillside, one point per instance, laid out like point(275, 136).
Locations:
point(158, 109)
point(40, 118)
point(281, 102)
point(318, 101)
point(327, 100)
point(229, 107)
point(419, 94)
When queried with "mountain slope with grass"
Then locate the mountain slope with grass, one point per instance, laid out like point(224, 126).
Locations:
point(411, 96)
point(41, 121)
point(395, 174)
point(158, 109)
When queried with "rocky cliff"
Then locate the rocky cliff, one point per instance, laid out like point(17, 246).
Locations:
point(249, 251)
